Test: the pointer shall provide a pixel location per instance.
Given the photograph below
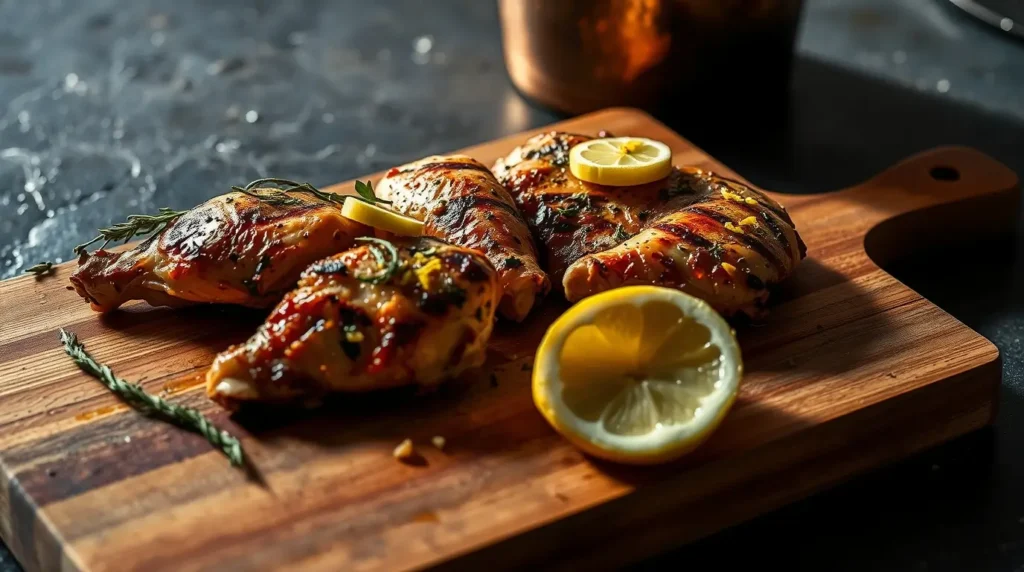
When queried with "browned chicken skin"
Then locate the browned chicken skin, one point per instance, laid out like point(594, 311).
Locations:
point(233, 249)
point(712, 237)
point(460, 201)
point(380, 315)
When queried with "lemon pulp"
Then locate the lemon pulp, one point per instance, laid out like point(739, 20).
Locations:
point(638, 374)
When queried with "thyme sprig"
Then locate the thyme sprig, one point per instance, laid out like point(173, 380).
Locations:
point(387, 259)
point(135, 396)
point(136, 225)
point(40, 270)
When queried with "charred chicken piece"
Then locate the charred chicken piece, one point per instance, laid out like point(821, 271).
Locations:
point(707, 235)
point(237, 248)
point(460, 202)
point(381, 315)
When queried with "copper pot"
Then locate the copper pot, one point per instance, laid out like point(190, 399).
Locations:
point(581, 55)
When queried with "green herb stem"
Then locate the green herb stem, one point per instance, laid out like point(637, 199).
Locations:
point(136, 225)
point(41, 269)
point(134, 395)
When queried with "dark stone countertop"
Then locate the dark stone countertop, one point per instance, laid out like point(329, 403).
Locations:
point(116, 106)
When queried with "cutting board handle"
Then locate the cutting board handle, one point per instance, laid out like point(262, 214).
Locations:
point(936, 177)
point(942, 195)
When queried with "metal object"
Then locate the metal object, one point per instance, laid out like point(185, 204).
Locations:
point(581, 55)
point(1007, 15)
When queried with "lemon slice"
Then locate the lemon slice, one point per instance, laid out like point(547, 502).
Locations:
point(640, 374)
point(620, 161)
point(381, 218)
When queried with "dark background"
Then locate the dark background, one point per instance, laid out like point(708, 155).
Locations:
point(112, 107)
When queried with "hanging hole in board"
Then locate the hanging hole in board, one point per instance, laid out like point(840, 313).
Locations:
point(946, 174)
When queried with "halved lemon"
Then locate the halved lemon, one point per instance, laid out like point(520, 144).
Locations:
point(640, 374)
point(620, 161)
point(381, 218)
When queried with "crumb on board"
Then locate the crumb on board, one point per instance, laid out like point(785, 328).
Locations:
point(404, 450)
point(438, 441)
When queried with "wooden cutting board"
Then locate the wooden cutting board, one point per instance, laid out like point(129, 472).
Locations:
point(852, 369)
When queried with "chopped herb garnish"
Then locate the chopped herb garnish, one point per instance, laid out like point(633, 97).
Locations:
point(136, 225)
point(135, 396)
point(330, 266)
point(387, 259)
point(620, 233)
point(41, 269)
point(581, 199)
point(512, 262)
point(568, 211)
point(716, 251)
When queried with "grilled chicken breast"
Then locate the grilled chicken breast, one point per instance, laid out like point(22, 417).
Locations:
point(715, 238)
point(380, 315)
point(460, 201)
point(235, 249)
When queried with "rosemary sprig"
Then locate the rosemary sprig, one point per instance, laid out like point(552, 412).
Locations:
point(387, 258)
point(136, 225)
point(41, 269)
point(275, 192)
point(134, 395)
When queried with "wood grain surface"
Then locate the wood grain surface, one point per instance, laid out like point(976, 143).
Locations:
point(852, 369)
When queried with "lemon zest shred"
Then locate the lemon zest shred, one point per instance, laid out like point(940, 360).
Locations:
point(425, 272)
point(731, 196)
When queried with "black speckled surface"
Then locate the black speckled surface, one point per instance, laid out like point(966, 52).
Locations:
point(110, 107)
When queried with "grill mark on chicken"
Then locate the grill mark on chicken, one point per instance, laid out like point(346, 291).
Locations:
point(750, 241)
point(455, 211)
point(684, 232)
